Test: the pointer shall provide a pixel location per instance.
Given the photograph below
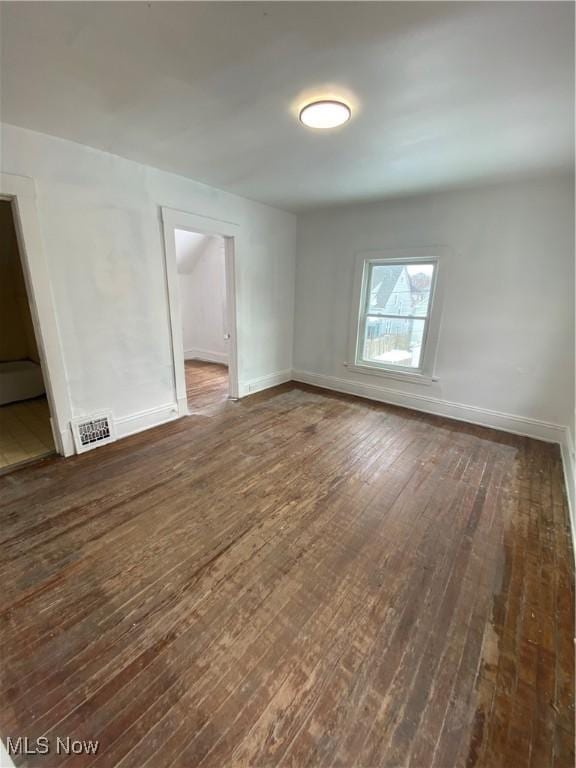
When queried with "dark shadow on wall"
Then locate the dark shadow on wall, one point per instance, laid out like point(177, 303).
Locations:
point(25, 429)
point(17, 340)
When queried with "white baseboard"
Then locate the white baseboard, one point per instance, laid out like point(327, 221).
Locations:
point(206, 356)
point(264, 382)
point(569, 463)
point(152, 417)
point(518, 425)
point(136, 422)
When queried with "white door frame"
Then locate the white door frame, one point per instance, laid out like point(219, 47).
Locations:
point(21, 192)
point(173, 219)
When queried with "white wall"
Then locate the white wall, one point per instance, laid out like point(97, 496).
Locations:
point(507, 335)
point(202, 286)
point(101, 230)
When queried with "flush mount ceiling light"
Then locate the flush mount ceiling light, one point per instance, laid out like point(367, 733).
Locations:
point(326, 113)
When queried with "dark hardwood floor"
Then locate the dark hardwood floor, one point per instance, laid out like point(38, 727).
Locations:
point(206, 384)
point(295, 579)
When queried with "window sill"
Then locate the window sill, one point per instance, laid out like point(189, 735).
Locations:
point(413, 378)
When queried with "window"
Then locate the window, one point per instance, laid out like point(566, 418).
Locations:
point(395, 305)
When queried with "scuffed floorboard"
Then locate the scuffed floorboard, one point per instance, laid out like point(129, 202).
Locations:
point(297, 579)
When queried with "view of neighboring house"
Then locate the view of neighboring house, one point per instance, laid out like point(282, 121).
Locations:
point(400, 294)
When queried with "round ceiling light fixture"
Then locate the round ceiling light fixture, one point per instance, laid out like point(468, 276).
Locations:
point(326, 113)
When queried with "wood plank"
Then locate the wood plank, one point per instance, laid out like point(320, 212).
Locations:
point(25, 433)
point(298, 578)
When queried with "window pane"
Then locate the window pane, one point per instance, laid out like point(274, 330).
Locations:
point(400, 289)
point(391, 341)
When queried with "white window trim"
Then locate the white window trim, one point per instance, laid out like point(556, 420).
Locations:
point(363, 259)
point(390, 373)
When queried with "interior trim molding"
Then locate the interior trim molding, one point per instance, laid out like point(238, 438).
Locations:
point(386, 373)
point(21, 192)
point(206, 356)
point(174, 219)
point(66, 441)
point(507, 422)
point(141, 420)
point(264, 382)
point(569, 464)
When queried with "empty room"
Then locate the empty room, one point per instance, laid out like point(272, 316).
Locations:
point(287, 378)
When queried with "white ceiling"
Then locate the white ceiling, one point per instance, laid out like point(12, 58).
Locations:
point(443, 94)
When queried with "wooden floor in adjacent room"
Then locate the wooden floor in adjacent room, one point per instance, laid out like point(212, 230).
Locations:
point(295, 579)
point(25, 432)
point(206, 384)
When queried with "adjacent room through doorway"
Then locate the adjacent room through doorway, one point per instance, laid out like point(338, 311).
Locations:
point(201, 268)
point(25, 431)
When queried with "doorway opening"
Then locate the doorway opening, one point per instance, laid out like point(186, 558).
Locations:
point(201, 268)
point(25, 425)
